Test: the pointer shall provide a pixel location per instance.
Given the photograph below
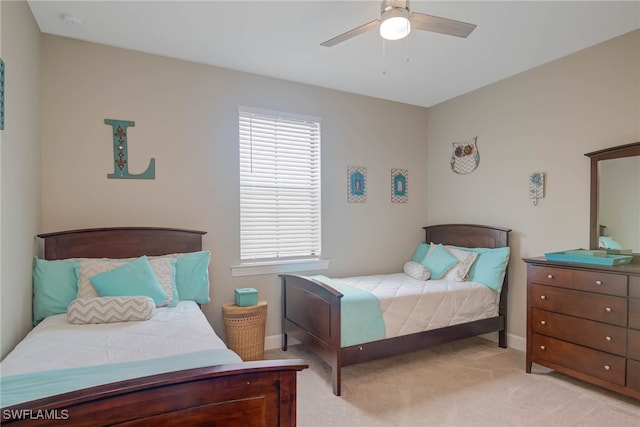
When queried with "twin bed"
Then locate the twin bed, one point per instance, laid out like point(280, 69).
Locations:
point(415, 313)
point(170, 369)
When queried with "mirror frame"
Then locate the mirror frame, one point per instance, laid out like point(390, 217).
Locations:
point(618, 152)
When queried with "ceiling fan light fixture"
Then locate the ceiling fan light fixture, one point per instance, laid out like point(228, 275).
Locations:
point(395, 24)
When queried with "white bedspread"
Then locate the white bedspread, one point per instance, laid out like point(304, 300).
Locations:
point(410, 305)
point(57, 344)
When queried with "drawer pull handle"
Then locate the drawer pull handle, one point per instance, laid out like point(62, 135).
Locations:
point(549, 276)
point(608, 338)
point(599, 282)
point(543, 297)
point(543, 322)
point(608, 309)
point(542, 347)
point(607, 367)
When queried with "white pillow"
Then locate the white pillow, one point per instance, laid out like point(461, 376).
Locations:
point(164, 269)
point(83, 311)
point(416, 270)
point(460, 271)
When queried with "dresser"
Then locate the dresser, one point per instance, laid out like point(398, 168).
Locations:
point(584, 321)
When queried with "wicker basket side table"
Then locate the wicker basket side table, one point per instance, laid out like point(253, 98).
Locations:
point(245, 327)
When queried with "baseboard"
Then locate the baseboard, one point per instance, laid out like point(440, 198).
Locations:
point(273, 342)
point(513, 341)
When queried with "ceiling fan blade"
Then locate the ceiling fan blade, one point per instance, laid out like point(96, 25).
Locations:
point(436, 24)
point(351, 33)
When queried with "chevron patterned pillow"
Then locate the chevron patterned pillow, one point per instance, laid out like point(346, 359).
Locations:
point(84, 311)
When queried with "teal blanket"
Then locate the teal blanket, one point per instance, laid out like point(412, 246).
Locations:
point(360, 316)
point(36, 385)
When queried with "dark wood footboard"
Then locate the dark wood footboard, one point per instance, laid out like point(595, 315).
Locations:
point(311, 311)
point(311, 314)
point(261, 393)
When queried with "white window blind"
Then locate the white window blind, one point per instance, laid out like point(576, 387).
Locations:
point(279, 186)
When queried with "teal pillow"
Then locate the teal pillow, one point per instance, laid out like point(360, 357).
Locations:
point(609, 243)
point(192, 276)
point(420, 252)
point(135, 278)
point(439, 260)
point(490, 266)
point(55, 285)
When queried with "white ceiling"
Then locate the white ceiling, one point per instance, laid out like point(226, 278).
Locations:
point(282, 39)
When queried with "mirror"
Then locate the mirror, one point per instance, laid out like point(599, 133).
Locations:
point(615, 198)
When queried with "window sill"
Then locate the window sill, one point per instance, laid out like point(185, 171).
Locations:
point(277, 267)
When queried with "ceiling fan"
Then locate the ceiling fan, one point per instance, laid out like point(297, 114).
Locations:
point(396, 22)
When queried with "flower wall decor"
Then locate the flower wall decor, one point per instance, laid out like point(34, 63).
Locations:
point(399, 186)
point(356, 184)
point(536, 187)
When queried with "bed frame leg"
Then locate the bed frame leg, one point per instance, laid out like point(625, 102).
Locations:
point(336, 380)
point(502, 338)
point(284, 342)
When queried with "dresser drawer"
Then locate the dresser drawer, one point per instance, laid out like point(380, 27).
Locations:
point(550, 276)
point(634, 313)
point(602, 308)
point(603, 283)
point(633, 351)
point(607, 367)
point(633, 374)
point(634, 286)
point(601, 336)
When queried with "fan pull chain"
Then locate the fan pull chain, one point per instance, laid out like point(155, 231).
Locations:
point(407, 46)
point(384, 50)
point(384, 54)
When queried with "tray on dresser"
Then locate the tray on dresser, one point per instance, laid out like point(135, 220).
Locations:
point(583, 257)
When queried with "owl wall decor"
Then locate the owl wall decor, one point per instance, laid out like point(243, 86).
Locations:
point(465, 157)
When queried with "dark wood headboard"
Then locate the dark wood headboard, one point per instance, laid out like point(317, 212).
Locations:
point(120, 242)
point(467, 235)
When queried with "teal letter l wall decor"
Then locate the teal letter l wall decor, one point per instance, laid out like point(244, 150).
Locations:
point(121, 167)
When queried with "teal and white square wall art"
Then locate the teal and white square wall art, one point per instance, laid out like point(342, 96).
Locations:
point(399, 185)
point(356, 184)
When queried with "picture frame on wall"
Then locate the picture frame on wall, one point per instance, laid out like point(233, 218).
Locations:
point(356, 184)
point(399, 185)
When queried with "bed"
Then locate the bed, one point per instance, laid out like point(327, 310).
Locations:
point(312, 310)
point(186, 387)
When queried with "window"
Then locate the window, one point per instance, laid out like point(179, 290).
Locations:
point(279, 186)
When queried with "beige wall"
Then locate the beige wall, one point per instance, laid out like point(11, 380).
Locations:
point(185, 117)
point(543, 120)
point(20, 169)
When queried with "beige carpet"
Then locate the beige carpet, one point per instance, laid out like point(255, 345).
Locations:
point(468, 383)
